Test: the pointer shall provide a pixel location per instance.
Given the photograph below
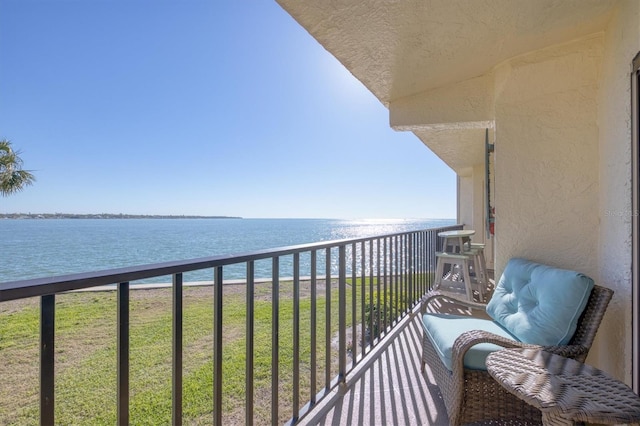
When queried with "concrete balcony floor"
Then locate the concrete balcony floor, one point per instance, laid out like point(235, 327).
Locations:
point(388, 387)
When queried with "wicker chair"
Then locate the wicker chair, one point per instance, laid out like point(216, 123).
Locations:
point(472, 395)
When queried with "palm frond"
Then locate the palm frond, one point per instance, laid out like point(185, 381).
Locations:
point(12, 177)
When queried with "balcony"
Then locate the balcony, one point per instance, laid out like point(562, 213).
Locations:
point(343, 353)
point(388, 388)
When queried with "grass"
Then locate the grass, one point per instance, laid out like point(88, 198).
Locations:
point(86, 355)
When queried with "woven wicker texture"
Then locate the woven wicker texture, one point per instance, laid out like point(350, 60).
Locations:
point(474, 396)
point(562, 387)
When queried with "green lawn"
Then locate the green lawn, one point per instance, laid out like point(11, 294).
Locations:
point(86, 354)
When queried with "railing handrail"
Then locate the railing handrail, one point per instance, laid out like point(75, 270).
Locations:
point(42, 286)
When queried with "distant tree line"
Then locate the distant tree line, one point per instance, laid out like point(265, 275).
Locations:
point(104, 216)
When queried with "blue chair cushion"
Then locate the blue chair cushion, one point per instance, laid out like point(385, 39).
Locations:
point(443, 329)
point(539, 304)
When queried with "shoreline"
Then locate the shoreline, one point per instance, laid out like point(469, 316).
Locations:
point(151, 286)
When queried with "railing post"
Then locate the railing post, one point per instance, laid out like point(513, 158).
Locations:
point(296, 336)
point(123, 353)
point(385, 273)
point(327, 333)
point(177, 351)
point(354, 309)
point(47, 358)
point(363, 303)
point(417, 238)
point(423, 270)
point(372, 333)
point(410, 271)
point(342, 314)
point(398, 276)
point(314, 323)
point(378, 288)
point(217, 345)
point(250, 343)
point(407, 271)
point(275, 338)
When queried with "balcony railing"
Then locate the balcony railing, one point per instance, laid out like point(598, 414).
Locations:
point(354, 293)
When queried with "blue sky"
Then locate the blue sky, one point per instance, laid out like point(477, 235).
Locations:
point(199, 107)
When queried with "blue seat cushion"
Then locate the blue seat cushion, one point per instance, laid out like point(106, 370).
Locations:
point(539, 304)
point(443, 329)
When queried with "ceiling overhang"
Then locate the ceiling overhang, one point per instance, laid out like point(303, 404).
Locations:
point(430, 62)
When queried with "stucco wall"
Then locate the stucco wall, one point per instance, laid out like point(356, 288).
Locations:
point(546, 153)
point(479, 210)
point(465, 201)
point(621, 42)
point(458, 105)
point(478, 203)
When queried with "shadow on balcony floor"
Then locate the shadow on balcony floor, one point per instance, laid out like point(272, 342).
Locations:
point(389, 388)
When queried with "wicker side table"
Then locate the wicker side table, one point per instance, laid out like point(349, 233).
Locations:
point(564, 390)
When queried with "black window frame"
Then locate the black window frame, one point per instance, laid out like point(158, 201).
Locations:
point(635, 204)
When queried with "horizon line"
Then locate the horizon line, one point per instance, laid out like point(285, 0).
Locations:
point(203, 216)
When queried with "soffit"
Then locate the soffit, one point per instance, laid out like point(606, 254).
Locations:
point(403, 47)
point(460, 149)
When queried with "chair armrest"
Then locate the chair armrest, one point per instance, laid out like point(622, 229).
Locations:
point(432, 295)
point(471, 338)
point(576, 352)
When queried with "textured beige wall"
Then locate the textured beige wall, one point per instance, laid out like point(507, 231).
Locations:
point(478, 203)
point(471, 207)
point(563, 174)
point(466, 103)
point(621, 42)
point(547, 156)
point(562, 180)
point(479, 210)
point(465, 201)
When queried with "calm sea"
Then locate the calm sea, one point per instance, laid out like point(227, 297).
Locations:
point(33, 248)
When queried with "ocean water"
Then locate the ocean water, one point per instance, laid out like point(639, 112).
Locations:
point(33, 248)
